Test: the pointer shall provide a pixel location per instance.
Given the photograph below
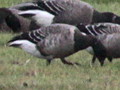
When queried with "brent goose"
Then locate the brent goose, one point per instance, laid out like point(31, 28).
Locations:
point(44, 13)
point(109, 36)
point(11, 20)
point(54, 41)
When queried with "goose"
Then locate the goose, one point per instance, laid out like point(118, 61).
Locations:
point(54, 41)
point(17, 24)
point(11, 20)
point(44, 13)
point(108, 34)
point(26, 24)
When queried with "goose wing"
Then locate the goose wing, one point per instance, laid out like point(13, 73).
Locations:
point(59, 41)
point(49, 6)
point(100, 28)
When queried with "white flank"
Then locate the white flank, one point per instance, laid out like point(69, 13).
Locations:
point(28, 47)
point(41, 17)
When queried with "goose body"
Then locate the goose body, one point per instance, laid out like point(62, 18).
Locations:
point(109, 36)
point(65, 11)
point(54, 41)
point(111, 47)
point(111, 43)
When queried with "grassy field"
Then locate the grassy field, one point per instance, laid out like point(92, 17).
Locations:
point(20, 71)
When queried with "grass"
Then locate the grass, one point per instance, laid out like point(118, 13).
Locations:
point(7, 3)
point(20, 71)
point(101, 1)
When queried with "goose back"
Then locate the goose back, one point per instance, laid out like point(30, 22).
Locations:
point(75, 12)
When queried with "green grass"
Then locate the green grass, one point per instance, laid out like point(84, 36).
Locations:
point(101, 1)
point(6, 3)
point(17, 74)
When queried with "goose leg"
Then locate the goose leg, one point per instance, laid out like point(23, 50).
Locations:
point(48, 62)
point(101, 60)
point(93, 59)
point(68, 63)
point(110, 59)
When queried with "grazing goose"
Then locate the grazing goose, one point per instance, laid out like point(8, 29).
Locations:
point(17, 24)
point(11, 20)
point(109, 36)
point(43, 13)
point(26, 24)
point(54, 41)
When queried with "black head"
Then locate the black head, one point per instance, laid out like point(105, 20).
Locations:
point(111, 17)
point(11, 20)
